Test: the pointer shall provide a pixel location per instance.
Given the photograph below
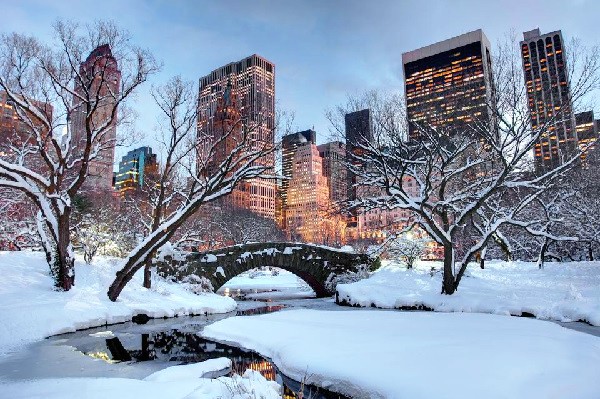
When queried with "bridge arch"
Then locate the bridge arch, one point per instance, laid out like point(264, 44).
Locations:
point(314, 264)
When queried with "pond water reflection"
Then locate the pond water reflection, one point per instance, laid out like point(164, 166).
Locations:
point(178, 343)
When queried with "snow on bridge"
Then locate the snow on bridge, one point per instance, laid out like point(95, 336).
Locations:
point(315, 264)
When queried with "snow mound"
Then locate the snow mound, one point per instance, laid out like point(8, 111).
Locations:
point(561, 291)
point(30, 309)
point(189, 371)
point(177, 382)
point(375, 354)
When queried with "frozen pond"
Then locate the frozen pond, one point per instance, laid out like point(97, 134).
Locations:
point(133, 350)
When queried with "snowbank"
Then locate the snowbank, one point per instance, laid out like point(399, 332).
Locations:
point(265, 280)
point(370, 354)
point(561, 291)
point(173, 382)
point(30, 309)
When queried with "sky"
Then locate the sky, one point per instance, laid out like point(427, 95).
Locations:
point(323, 50)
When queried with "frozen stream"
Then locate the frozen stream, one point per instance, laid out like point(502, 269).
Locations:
point(157, 344)
point(147, 348)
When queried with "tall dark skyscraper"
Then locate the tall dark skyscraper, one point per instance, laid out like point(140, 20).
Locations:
point(252, 82)
point(359, 130)
point(448, 85)
point(548, 97)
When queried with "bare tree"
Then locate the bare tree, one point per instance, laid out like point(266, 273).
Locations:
point(193, 159)
point(49, 89)
point(408, 248)
point(18, 227)
point(100, 227)
point(463, 175)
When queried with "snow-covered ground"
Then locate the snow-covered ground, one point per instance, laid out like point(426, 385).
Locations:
point(173, 382)
point(561, 291)
point(31, 310)
point(371, 354)
point(263, 283)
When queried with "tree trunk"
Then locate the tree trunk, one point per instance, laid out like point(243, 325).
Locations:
point(137, 261)
point(448, 286)
point(147, 272)
point(64, 263)
point(482, 256)
point(590, 252)
point(542, 254)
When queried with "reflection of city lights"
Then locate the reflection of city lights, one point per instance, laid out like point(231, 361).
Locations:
point(102, 356)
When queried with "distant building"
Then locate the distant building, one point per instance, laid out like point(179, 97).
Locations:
point(307, 197)
point(289, 145)
point(587, 131)
point(16, 135)
point(376, 224)
point(448, 85)
point(359, 131)
point(549, 97)
point(101, 73)
point(334, 169)
point(252, 81)
point(134, 168)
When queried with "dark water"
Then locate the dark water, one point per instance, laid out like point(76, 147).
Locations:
point(174, 343)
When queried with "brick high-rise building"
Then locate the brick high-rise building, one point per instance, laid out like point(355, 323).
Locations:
point(16, 135)
point(252, 82)
point(548, 97)
point(448, 85)
point(101, 73)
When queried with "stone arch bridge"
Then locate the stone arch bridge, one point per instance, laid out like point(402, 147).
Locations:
point(317, 265)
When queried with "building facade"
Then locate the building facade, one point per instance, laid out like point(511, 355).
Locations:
point(334, 169)
point(548, 97)
point(102, 76)
point(289, 145)
point(134, 168)
point(252, 82)
point(16, 136)
point(307, 196)
point(448, 85)
point(586, 128)
point(359, 131)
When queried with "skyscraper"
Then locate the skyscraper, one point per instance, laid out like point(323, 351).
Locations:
point(102, 80)
point(308, 195)
point(334, 169)
point(587, 131)
point(289, 145)
point(134, 168)
point(548, 97)
point(359, 131)
point(252, 81)
point(448, 85)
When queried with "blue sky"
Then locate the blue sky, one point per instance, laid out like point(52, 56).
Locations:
point(323, 50)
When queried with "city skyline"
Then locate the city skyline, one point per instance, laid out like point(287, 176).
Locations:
point(323, 52)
